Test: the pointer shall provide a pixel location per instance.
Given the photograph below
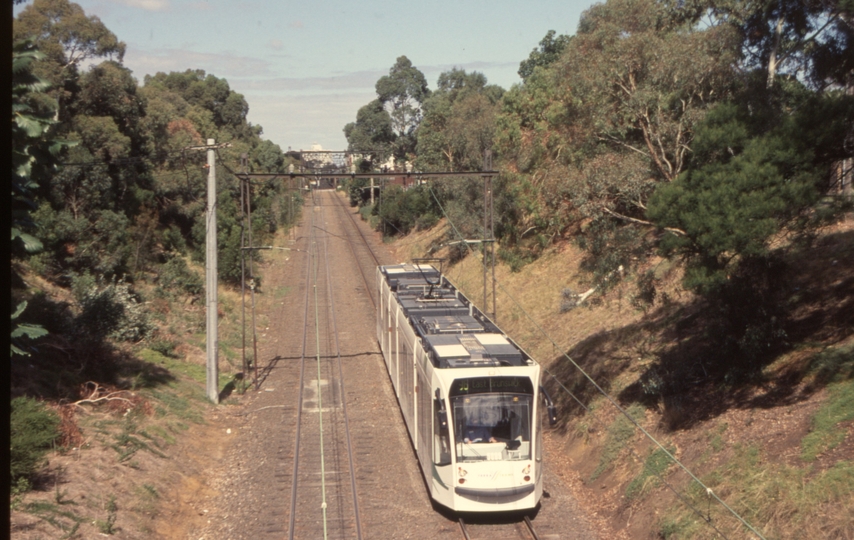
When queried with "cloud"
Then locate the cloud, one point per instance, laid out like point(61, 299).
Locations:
point(275, 44)
point(226, 65)
point(297, 24)
point(147, 5)
point(360, 80)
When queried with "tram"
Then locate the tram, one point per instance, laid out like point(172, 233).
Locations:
point(470, 396)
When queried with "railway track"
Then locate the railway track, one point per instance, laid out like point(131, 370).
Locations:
point(360, 248)
point(513, 529)
point(324, 497)
point(325, 426)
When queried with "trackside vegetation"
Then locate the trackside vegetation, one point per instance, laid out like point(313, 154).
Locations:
point(108, 206)
point(688, 164)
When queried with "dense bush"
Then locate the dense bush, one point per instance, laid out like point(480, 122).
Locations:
point(33, 430)
point(110, 310)
point(176, 276)
point(401, 211)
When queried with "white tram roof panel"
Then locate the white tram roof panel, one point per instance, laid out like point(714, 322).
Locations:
point(473, 350)
point(399, 271)
point(447, 323)
point(405, 267)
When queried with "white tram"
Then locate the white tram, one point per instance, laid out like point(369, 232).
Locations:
point(469, 395)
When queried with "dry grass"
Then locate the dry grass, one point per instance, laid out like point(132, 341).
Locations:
point(755, 445)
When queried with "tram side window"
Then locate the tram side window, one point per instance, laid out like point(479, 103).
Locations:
point(441, 439)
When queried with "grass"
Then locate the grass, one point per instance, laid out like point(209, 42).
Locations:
point(66, 521)
point(126, 444)
point(619, 433)
point(107, 526)
point(716, 440)
point(826, 433)
point(780, 501)
point(654, 467)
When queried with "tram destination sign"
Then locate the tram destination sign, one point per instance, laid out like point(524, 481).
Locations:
point(482, 385)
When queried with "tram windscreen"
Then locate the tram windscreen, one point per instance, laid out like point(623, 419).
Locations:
point(492, 418)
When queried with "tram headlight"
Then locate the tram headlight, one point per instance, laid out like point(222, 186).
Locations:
point(527, 470)
point(462, 472)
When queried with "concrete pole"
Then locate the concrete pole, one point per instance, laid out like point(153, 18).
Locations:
point(211, 281)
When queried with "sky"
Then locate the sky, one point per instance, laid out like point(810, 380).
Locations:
point(306, 68)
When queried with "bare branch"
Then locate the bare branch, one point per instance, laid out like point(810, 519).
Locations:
point(678, 232)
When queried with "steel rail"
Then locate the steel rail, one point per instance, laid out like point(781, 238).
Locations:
point(530, 525)
point(343, 394)
point(294, 482)
point(373, 255)
point(463, 529)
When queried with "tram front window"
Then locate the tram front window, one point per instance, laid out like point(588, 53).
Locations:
point(492, 426)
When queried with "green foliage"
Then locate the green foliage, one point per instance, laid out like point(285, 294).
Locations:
point(402, 92)
point(459, 123)
point(386, 127)
point(34, 145)
point(547, 53)
point(754, 175)
point(619, 433)
point(23, 330)
point(404, 211)
point(372, 133)
point(826, 432)
point(605, 117)
point(175, 276)
point(67, 36)
point(112, 310)
point(654, 467)
point(33, 428)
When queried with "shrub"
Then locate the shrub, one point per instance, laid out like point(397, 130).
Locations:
point(111, 311)
point(33, 429)
point(175, 274)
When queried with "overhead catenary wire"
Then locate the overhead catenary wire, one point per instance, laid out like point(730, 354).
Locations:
point(649, 436)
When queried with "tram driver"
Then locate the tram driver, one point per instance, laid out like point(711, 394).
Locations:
point(477, 434)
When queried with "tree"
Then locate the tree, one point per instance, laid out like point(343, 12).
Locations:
point(600, 127)
point(459, 122)
point(756, 173)
point(792, 38)
point(402, 92)
point(548, 52)
point(372, 133)
point(63, 32)
point(34, 147)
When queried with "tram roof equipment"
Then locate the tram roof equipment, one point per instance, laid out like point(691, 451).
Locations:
point(452, 330)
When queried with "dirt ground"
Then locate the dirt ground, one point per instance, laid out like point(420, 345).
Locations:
point(174, 492)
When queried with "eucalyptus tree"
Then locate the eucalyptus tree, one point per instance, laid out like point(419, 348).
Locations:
point(402, 93)
point(386, 127)
point(371, 134)
point(810, 40)
point(459, 122)
point(68, 38)
point(597, 130)
point(547, 53)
